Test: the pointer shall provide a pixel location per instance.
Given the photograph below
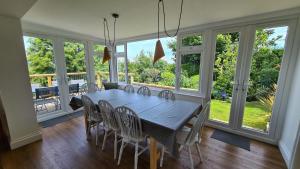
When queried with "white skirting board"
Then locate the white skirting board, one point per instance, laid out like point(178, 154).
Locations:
point(27, 139)
point(285, 153)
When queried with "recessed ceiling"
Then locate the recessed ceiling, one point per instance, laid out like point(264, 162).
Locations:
point(139, 17)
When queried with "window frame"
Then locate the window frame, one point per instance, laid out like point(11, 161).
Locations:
point(122, 55)
point(186, 50)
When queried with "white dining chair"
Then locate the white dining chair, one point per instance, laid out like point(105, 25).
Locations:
point(144, 90)
point(93, 116)
point(131, 131)
point(187, 137)
point(166, 94)
point(109, 122)
point(129, 88)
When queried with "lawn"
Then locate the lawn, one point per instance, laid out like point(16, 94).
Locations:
point(255, 115)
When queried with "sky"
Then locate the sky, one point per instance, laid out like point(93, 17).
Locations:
point(134, 48)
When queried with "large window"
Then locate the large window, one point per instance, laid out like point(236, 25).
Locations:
point(101, 69)
point(141, 70)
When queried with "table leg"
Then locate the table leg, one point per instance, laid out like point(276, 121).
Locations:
point(153, 153)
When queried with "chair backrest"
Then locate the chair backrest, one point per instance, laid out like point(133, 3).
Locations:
point(85, 88)
point(129, 123)
point(166, 94)
point(144, 90)
point(90, 108)
point(129, 88)
point(108, 114)
point(197, 126)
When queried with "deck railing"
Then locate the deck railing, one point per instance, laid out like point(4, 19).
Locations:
point(50, 79)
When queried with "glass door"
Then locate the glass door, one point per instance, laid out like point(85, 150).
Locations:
point(43, 76)
point(260, 87)
point(225, 78)
point(77, 76)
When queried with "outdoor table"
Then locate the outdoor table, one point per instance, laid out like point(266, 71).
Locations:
point(160, 118)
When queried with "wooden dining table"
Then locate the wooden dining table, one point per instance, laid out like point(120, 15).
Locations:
point(161, 118)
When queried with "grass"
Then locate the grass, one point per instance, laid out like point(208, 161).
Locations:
point(255, 114)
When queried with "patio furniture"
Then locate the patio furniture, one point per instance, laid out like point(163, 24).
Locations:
point(92, 116)
point(131, 131)
point(144, 90)
point(187, 137)
point(44, 96)
point(108, 86)
point(129, 88)
point(166, 94)
point(73, 90)
point(161, 119)
point(110, 123)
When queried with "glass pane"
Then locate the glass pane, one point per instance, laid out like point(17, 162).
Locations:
point(265, 66)
point(42, 72)
point(190, 69)
point(101, 70)
point(141, 70)
point(75, 65)
point(224, 71)
point(194, 40)
point(121, 69)
point(120, 48)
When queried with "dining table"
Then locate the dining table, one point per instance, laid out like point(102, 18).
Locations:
point(161, 118)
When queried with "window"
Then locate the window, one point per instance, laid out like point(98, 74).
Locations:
point(75, 63)
point(141, 70)
point(121, 62)
point(190, 62)
point(101, 70)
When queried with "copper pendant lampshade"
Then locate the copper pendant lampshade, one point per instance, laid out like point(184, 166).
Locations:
point(159, 51)
point(106, 55)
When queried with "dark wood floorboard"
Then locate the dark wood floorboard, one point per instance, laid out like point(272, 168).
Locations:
point(65, 146)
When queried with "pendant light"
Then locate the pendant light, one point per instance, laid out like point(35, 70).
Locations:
point(106, 54)
point(159, 51)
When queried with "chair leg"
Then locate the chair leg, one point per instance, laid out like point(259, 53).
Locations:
point(104, 139)
point(199, 152)
point(136, 155)
point(115, 145)
point(162, 156)
point(191, 157)
point(121, 151)
point(97, 128)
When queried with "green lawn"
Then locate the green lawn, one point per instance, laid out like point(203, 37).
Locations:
point(255, 115)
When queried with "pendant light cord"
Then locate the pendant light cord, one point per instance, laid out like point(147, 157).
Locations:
point(164, 15)
point(105, 24)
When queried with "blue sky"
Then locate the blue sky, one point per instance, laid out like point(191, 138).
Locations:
point(134, 48)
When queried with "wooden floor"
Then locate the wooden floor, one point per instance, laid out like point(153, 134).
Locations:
point(64, 146)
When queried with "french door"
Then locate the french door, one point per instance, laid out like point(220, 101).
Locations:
point(248, 77)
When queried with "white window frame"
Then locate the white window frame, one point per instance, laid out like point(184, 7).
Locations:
point(185, 50)
point(122, 55)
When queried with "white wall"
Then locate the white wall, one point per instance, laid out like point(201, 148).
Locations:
point(292, 117)
point(15, 88)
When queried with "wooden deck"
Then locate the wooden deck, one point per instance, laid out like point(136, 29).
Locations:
point(64, 146)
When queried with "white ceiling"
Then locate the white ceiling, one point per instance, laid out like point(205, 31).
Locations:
point(15, 8)
point(139, 17)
